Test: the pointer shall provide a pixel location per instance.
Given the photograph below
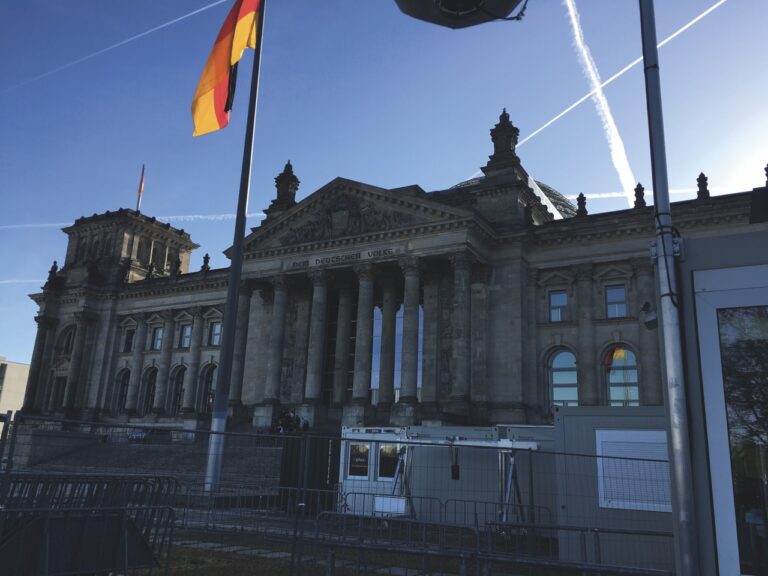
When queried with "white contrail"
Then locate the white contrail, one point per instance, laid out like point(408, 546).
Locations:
point(620, 73)
point(616, 76)
point(648, 193)
point(615, 143)
point(179, 218)
point(208, 217)
point(22, 281)
point(45, 225)
point(112, 47)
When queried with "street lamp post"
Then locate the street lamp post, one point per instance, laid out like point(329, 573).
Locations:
point(462, 13)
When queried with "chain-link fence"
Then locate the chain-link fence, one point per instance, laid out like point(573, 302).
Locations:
point(377, 502)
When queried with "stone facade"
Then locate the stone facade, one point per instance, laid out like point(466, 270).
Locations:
point(484, 303)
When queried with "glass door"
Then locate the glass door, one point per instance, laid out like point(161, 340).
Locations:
point(732, 316)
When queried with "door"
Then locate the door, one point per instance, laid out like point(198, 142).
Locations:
point(732, 319)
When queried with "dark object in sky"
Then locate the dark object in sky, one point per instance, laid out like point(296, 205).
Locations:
point(458, 13)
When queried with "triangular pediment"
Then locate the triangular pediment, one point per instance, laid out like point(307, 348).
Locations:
point(348, 209)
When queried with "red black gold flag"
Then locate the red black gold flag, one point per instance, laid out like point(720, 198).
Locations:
point(216, 89)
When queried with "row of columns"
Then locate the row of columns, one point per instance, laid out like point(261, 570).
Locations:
point(356, 412)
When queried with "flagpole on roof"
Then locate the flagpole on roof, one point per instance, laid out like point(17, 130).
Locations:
point(224, 372)
point(140, 192)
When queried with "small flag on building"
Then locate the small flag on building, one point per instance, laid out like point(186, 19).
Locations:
point(140, 191)
point(216, 88)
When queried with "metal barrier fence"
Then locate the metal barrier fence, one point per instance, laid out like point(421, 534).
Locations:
point(361, 505)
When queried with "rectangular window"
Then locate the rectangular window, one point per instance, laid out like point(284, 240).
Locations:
point(388, 458)
point(185, 335)
point(157, 338)
point(615, 302)
point(358, 461)
point(558, 303)
point(128, 340)
point(214, 334)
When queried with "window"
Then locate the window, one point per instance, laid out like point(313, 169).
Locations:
point(128, 340)
point(358, 461)
point(388, 458)
point(558, 303)
point(562, 379)
point(214, 334)
point(122, 395)
point(149, 394)
point(157, 338)
point(621, 374)
point(209, 389)
point(178, 391)
point(185, 335)
point(615, 302)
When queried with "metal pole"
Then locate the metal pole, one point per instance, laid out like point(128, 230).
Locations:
point(224, 373)
point(677, 415)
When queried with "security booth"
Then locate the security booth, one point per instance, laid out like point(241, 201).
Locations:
point(456, 475)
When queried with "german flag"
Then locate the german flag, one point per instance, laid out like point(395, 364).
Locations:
point(216, 89)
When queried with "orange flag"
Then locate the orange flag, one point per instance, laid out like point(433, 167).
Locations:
point(216, 89)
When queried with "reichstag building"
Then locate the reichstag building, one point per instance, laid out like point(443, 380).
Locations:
point(490, 302)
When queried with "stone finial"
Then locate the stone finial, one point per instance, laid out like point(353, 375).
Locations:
point(206, 263)
point(504, 136)
point(52, 272)
point(581, 205)
point(528, 215)
point(286, 184)
point(703, 190)
point(639, 196)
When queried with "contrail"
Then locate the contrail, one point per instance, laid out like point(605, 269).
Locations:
point(112, 47)
point(21, 281)
point(621, 72)
point(618, 74)
point(615, 143)
point(179, 218)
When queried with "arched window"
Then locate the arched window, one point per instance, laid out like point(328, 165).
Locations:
point(66, 341)
point(621, 376)
point(122, 391)
point(149, 390)
point(563, 382)
point(209, 389)
point(178, 391)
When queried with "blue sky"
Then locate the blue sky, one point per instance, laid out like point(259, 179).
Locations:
point(348, 88)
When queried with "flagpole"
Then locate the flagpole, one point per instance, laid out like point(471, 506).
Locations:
point(224, 372)
point(141, 190)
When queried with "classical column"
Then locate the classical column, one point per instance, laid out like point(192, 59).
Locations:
point(651, 392)
point(461, 324)
point(387, 351)
point(241, 335)
point(429, 339)
point(361, 383)
point(341, 356)
point(255, 363)
point(192, 374)
point(410, 353)
point(314, 377)
point(137, 365)
point(355, 413)
point(32, 393)
point(276, 341)
point(479, 330)
point(166, 349)
point(586, 373)
point(82, 320)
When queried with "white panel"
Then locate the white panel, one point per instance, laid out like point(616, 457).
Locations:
point(632, 470)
